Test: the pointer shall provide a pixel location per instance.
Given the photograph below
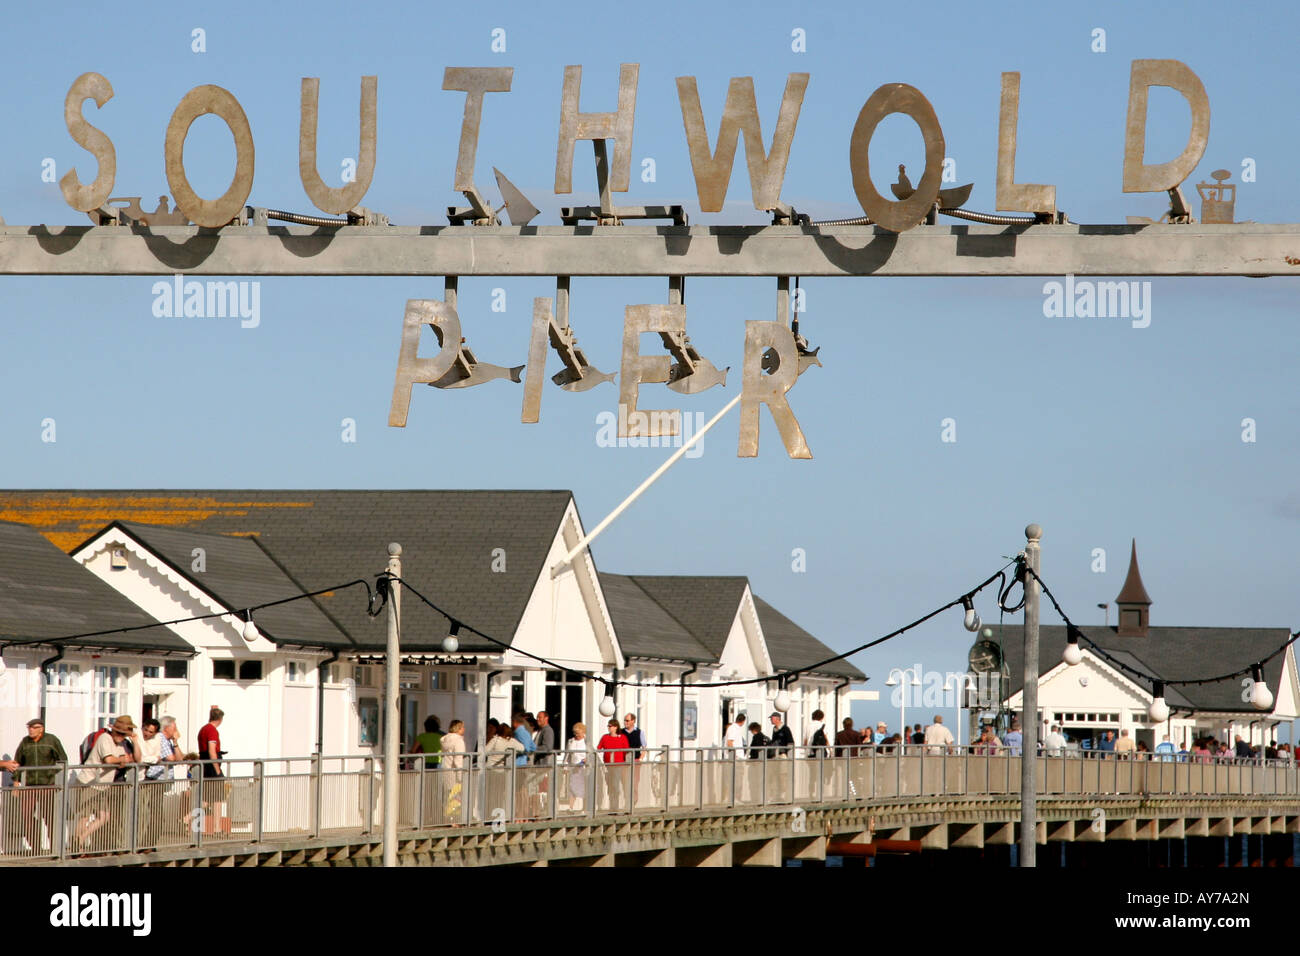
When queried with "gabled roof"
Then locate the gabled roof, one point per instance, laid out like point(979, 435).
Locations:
point(704, 606)
point(45, 594)
point(644, 628)
point(323, 538)
point(1171, 653)
point(791, 647)
point(239, 574)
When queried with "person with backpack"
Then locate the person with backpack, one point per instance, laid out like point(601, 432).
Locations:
point(816, 739)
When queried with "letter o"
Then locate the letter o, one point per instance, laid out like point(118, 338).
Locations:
point(896, 215)
point(198, 102)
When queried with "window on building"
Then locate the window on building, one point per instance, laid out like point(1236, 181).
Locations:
point(151, 671)
point(110, 693)
point(440, 680)
point(223, 670)
point(467, 683)
point(517, 693)
point(176, 670)
point(63, 675)
point(365, 676)
point(250, 670)
point(297, 672)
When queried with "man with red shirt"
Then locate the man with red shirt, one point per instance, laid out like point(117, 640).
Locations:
point(614, 746)
point(210, 743)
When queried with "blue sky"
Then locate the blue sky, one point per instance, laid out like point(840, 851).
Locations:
point(1098, 431)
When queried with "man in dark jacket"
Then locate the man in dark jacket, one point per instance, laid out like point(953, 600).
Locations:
point(36, 807)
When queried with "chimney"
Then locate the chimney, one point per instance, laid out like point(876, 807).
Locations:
point(1133, 602)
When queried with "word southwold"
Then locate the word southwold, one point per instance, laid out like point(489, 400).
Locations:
point(712, 166)
point(77, 909)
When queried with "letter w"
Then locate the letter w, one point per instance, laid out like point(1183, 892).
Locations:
point(766, 170)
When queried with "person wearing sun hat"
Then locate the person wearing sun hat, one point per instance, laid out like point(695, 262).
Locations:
point(113, 752)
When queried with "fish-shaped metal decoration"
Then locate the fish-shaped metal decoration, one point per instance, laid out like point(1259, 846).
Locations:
point(691, 373)
point(466, 371)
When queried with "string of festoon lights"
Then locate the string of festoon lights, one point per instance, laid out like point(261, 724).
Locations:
point(1261, 698)
point(377, 599)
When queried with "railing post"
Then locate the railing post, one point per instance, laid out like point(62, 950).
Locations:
point(514, 776)
point(668, 777)
point(317, 771)
point(821, 775)
point(196, 815)
point(370, 794)
point(764, 795)
point(554, 782)
point(61, 838)
point(699, 779)
point(419, 798)
point(134, 840)
point(594, 761)
point(259, 778)
point(732, 753)
point(921, 778)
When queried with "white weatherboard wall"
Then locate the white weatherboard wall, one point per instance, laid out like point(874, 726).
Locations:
point(254, 722)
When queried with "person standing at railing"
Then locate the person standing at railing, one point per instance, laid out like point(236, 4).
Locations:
point(452, 776)
point(1014, 740)
point(988, 744)
point(734, 740)
point(1054, 744)
point(213, 784)
point(783, 744)
point(159, 748)
point(430, 742)
point(614, 753)
point(758, 744)
point(847, 740)
point(1241, 749)
point(109, 758)
point(35, 808)
point(575, 764)
point(938, 738)
point(1124, 747)
point(1165, 750)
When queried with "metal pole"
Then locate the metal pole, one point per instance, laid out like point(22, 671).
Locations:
point(1029, 710)
point(259, 772)
point(561, 565)
point(393, 719)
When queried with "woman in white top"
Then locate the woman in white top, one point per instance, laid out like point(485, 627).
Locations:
point(450, 777)
point(575, 759)
point(499, 756)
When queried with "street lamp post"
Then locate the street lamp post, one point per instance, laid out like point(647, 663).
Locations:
point(392, 716)
point(1029, 710)
point(915, 671)
point(964, 682)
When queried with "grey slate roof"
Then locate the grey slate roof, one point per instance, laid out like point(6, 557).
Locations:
point(324, 538)
point(791, 647)
point(44, 593)
point(644, 628)
point(704, 606)
point(239, 574)
point(1170, 653)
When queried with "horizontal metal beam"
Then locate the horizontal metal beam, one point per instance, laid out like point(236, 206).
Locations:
point(941, 250)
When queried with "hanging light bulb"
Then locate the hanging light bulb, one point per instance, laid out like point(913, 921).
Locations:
point(607, 705)
point(1072, 654)
point(782, 702)
point(449, 643)
point(972, 620)
point(1159, 710)
point(1261, 698)
point(250, 632)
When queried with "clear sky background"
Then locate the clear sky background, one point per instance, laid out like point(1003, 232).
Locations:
point(1098, 431)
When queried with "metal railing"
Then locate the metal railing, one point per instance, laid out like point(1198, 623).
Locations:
point(288, 800)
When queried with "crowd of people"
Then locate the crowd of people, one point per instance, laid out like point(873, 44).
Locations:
point(108, 755)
